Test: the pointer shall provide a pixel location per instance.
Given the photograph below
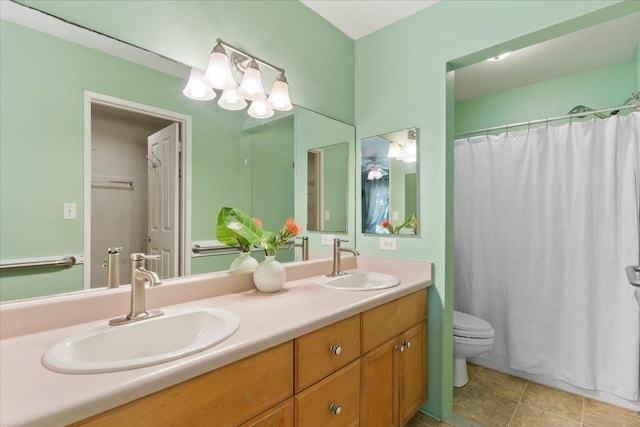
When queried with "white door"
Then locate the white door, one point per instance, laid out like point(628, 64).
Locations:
point(163, 209)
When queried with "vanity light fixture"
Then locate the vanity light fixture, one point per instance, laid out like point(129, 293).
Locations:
point(196, 87)
point(219, 76)
point(407, 152)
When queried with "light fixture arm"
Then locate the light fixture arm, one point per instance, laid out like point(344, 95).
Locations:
point(255, 58)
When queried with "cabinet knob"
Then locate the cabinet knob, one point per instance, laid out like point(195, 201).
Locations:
point(335, 349)
point(407, 344)
point(399, 347)
point(335, 409)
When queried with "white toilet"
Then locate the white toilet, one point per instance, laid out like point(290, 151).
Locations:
point(472, 336)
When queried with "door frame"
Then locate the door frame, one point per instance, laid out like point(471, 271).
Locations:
point(184, 166)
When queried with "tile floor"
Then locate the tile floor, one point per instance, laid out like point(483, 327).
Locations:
point(495, 399)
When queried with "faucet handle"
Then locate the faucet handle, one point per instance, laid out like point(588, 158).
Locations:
point(141, 256)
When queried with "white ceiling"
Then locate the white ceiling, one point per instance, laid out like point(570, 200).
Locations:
point(358, 18)
point(610, 43)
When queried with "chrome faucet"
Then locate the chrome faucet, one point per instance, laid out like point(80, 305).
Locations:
point(304, 246)
point(336, 257)
point(139, 275)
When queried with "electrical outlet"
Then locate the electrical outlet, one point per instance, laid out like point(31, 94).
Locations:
point(327, 239)
point(327, 215)
point(388, 244)
point(69, 211)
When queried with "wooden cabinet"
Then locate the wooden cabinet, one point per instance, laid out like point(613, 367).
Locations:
point(332, 402)
point(394, 373)
point(224, 397)
point(319, 353)
point(279, 416)
point(366, 370)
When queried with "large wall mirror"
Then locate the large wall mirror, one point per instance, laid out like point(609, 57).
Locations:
point(86, 135)
point(327, 181)
point(388, 175)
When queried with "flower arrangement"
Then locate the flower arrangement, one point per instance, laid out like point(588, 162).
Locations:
point(235, 228)
point(412, 219)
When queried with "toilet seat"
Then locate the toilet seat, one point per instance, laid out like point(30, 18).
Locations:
point(468, 326)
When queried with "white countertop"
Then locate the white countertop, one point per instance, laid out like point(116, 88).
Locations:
point(30, 394)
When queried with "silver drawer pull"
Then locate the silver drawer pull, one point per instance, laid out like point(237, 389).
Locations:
point(335, 349)
point(335, 409)
point(399, 347)
point(407, 344)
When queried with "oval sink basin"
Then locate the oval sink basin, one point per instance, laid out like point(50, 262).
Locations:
point(359, 281)
point(178, 333)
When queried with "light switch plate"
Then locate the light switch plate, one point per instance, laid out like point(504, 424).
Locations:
point(327, 215)
point(69, 211)
point(327, 239)
point(394, 216)
point(388, 244)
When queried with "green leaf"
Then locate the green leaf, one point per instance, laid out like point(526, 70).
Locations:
point(241, 224)
point(227, 236)
point(408, 221)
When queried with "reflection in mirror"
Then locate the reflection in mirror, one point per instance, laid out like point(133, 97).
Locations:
point(389, 183)
point(327, 180)
point(234, 161)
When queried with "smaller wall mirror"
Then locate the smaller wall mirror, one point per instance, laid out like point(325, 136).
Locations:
point(389, 183)
point(327, 188)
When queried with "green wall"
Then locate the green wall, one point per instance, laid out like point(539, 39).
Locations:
point(317, 57)
point(336, 185)
point(418, 93)
point(601, 88)
point(638, 67)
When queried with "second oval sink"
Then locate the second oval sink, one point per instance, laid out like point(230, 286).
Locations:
point(359, 281)
point(178, 333)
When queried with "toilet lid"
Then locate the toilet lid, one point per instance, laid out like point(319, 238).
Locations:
point(466, 325)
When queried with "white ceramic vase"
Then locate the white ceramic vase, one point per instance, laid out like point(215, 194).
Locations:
point(244, 261)
point(269, 275)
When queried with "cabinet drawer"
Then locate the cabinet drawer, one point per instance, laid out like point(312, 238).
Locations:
point(383, 323)
point(223, 397)
point(333, 402)
point(321, 352)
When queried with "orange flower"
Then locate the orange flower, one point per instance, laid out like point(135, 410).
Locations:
point(257, 222)
point(385, 223)
point(292, 227)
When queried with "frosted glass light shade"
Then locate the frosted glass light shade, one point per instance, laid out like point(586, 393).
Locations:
point(196, 88)
point(279, 96)
point(260, 110)
point(230, 100)
point(371, 175)
point(394, 150)
point(411, 147)
point(251, 87)
point(218, 73)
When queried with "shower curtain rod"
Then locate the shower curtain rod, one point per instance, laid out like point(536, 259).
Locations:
point(550, 119)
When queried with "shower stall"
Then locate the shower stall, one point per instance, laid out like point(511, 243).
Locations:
point(546, 220)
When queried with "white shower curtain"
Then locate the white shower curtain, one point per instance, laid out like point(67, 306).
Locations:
point(545, 222)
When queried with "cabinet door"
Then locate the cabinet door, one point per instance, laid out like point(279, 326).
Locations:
point(278, 416)
point(332, 402)
point(413, 371)
point(379, 399)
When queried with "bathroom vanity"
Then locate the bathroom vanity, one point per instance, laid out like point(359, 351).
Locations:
point(305, 356)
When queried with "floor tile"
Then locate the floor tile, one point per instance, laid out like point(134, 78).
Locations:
point(504, 385)
point(474, 419)
point(424, 420)
point(599, 414)
point(479, 399)
point(473, 370)
point(552, 400)
point(529, 416)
